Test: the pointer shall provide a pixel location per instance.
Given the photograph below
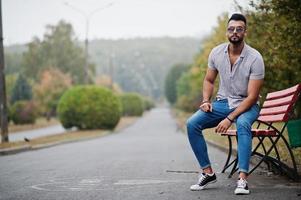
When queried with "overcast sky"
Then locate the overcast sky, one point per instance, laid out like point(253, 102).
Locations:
point(24, 19)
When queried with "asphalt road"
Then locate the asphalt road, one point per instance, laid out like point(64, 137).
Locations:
point(148, 160)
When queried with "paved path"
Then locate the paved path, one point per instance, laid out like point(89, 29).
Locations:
point(144, 161)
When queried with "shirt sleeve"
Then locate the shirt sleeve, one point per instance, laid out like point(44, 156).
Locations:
point(211, 64)
point(257, 69)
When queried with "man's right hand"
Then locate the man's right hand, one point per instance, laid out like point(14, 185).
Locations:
point(206, 107)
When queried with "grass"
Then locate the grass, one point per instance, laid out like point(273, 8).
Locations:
point(222, 142)
point(67, 137)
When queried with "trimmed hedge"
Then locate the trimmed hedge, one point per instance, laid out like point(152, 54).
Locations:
point(132, 104)
point(148, 103)
point(23, 112)
point(89, 107)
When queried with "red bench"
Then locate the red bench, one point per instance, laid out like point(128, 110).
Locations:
point(277, 108)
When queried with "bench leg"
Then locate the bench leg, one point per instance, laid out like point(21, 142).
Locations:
point(290, 172)
point(227, 165)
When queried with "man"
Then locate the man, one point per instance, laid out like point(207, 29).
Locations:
point(241, 73)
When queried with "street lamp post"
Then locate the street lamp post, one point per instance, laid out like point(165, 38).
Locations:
point(87, 17)
point(3, 106)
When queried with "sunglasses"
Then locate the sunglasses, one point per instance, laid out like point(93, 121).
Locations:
point(238, 29)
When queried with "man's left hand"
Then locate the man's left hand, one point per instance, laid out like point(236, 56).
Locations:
point(223, 126)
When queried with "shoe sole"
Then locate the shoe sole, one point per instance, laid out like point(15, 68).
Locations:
point(203, 187)
point(241, 191)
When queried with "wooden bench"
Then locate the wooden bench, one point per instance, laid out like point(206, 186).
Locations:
point(276, 110)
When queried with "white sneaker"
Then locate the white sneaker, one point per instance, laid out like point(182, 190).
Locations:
point(242, 187)
point(204, 179)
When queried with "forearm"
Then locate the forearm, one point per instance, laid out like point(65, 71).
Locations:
point(253, 94)
point(208, 88)
point(245, 105)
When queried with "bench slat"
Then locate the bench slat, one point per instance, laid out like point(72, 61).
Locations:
point(278, 102)
point(283, 93)
point(274, 118)
point(274, 110)
point(255, 132)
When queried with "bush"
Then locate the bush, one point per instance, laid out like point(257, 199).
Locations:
point(89, 107)
point(148, 103)
point(132, 104)
point(23, 112)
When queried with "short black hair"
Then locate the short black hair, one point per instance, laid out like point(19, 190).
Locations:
point(238, 17)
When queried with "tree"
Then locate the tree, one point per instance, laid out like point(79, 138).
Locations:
point(171, 81)
point(59, 48)
point(12, 62)
point(48, 91)
point(189, 86)
point(275, 31)
point(21, 91)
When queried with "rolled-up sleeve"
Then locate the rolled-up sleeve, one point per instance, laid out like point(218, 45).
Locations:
point(257, 69)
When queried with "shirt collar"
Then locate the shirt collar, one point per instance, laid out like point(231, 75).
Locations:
point(243, 52)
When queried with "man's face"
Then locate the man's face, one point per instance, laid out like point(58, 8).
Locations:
point(236, 31)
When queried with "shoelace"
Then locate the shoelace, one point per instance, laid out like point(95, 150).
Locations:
point(202, 177)
point(241, 183)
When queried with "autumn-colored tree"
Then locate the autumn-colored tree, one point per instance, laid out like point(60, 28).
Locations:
point(106, 81)
point(49, 89)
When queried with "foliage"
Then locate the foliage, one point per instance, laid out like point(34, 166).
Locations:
point(132, 104)
point(57, 49)
point(188, 90)
point(141, 64)
point(148, 103)
point(89, 107)
point(23, 112)
point(189, 86)
point(47, 92)
point(10, 81)
point(275, 31)
point(171, 82)
point(22, 90)
point(137, 64)
point(106, 81)
point(12, 62)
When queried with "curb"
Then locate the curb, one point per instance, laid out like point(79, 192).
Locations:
point(10, 151)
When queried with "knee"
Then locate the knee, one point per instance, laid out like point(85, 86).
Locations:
point(191, 123)
point(243, 126)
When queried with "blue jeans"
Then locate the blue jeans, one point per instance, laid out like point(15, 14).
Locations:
point(220, 110)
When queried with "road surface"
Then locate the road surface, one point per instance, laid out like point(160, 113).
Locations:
point(148, 160)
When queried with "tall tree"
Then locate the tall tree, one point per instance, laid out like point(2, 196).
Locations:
point(59, 48)
point(172, 77)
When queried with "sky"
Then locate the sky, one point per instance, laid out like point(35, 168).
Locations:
point(113, 19)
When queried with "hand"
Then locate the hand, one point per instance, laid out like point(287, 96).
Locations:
point(206, 107)
point(223, 126)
